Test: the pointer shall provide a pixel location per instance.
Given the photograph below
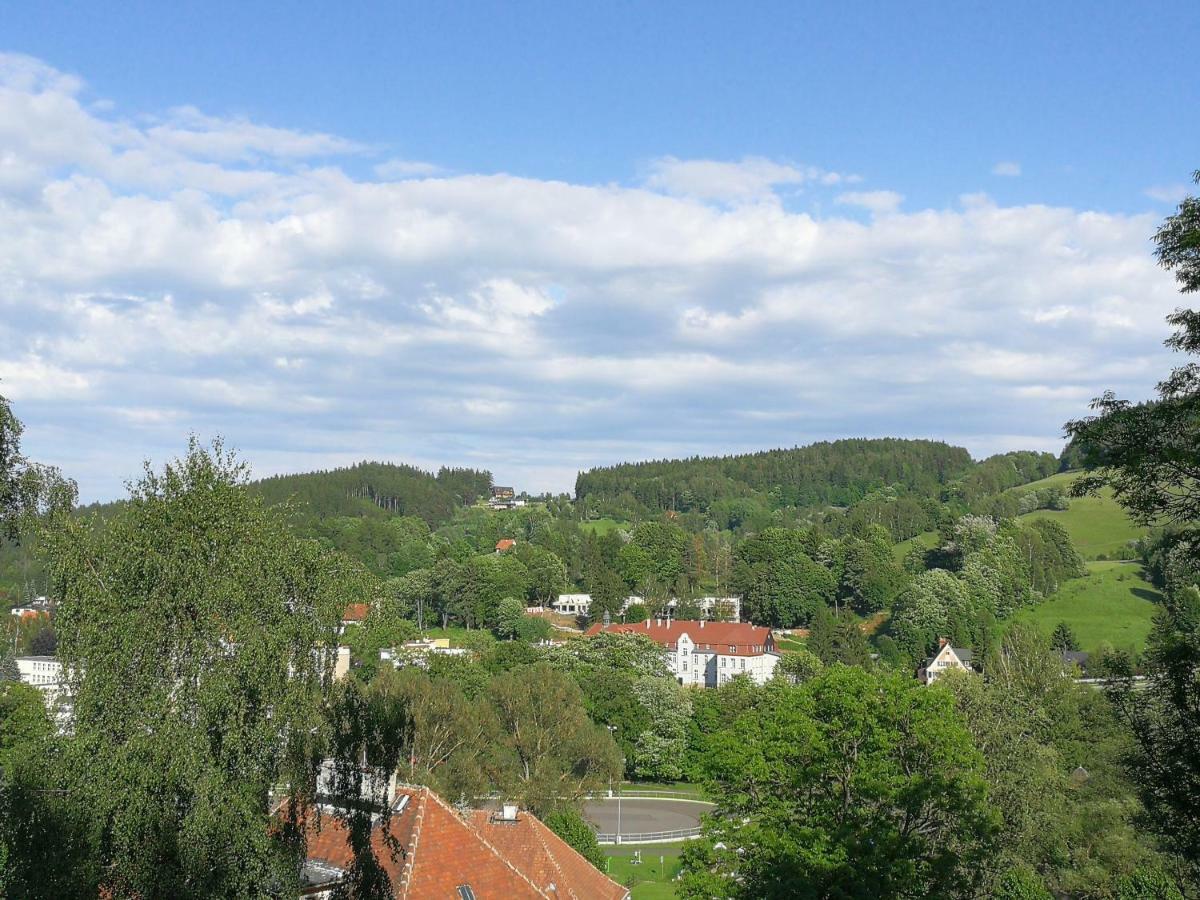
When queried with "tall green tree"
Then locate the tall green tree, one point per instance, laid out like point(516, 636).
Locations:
point(851, 784)
point(553, 753)
point(25, 487)
point(197, 634)
point(1149, 455)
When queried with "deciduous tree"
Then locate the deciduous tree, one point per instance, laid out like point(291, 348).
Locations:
point(196, 633)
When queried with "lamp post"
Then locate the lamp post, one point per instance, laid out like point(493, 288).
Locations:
point(612, 729)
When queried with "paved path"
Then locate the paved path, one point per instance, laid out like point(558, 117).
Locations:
point(645, 815)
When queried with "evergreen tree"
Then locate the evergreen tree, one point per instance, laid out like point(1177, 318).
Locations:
point(1063, 638)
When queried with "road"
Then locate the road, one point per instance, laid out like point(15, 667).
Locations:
point(644, 814)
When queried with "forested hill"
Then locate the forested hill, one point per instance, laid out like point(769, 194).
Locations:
point(376, 489)
point(837, 473)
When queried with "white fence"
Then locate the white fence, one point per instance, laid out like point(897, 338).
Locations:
point(649, 837)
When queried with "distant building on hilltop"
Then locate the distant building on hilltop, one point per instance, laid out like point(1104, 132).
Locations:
point(706, 653)
point(504, 498)
point(944, 660)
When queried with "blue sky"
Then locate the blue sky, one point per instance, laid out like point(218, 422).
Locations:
point(538, 237)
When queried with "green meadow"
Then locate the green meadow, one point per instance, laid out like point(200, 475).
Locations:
point(1098, 525)
point(1112, 605)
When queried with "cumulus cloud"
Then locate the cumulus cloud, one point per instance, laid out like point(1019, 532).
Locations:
point(190, 272)
point(1007, 169)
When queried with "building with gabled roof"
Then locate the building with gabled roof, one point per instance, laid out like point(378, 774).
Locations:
point(704, 653)
point(431, 851)
point(946, 659)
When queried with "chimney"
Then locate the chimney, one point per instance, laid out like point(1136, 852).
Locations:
point(701, 623)
point(647, 623)
point(508, 812)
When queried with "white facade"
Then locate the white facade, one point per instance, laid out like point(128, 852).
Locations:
point(947, 658)
point(416, 653)
point(44, 673)
point(581, 604)
point(710, 606)
point(692, 663)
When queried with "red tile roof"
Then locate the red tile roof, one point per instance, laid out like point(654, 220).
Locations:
point(356, 612)
point(545, 857)
point(505, 544)
point(429, 851)
point(717, 636)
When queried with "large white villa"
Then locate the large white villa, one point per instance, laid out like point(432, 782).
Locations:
point(707, 653)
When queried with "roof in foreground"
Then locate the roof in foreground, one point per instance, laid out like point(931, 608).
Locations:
point(431, 851)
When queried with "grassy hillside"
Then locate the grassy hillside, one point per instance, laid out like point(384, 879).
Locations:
point(1097, 525)
point(926, 540)
point(602, 526)
point(1113, 604)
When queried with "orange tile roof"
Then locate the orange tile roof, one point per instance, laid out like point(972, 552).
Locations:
point(429, 851)
point(505, 544)
point(356, 612)
point(545, 857)
point(718, 636)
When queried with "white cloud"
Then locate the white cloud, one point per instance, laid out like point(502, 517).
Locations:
point(753, 178)
point(1007, 169)
point(878, 202)
point(399, 169)
point(1169, 193)
point(194, 273)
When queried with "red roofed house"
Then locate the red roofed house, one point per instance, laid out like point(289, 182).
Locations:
point(505, 544)
point(355, 614)
point(707, 653)
point(432, 852)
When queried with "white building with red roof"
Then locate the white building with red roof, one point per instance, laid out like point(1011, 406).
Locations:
point(706, 653)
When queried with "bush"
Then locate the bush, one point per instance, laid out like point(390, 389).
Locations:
point(1021, 884)
point(532, 629)
point(569, 825)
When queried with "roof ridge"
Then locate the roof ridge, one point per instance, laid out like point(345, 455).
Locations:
point(583, 858)
point(410, 858)
point(494, 850)
point(537, 832)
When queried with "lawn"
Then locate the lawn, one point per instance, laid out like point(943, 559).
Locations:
point(1113, 604)
point(459, 637)
point(926, 540)
point(1097, 525)
point(602, 526)
point(674, 787)
point(651, 880)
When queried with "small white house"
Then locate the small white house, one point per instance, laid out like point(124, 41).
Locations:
point(944, 660)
